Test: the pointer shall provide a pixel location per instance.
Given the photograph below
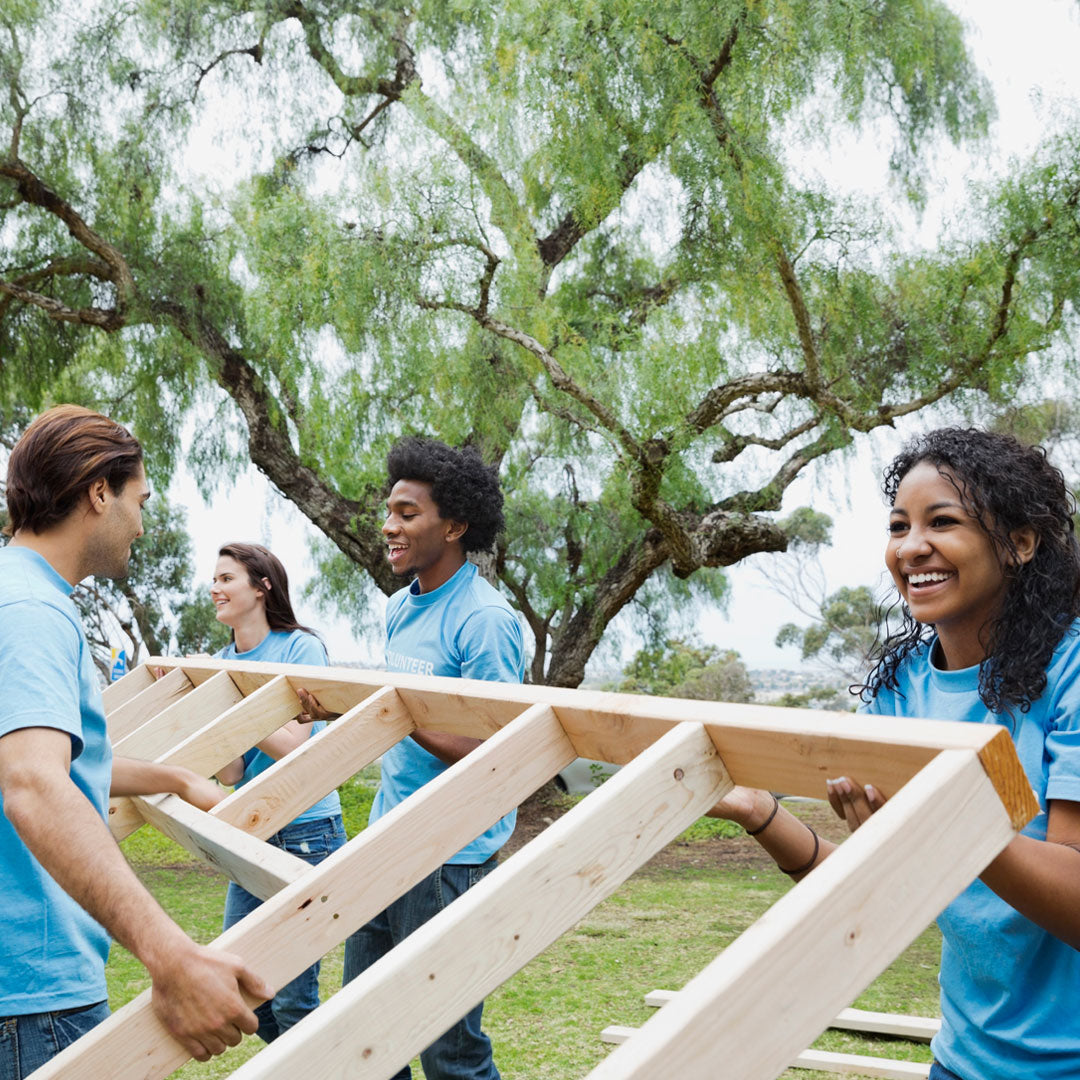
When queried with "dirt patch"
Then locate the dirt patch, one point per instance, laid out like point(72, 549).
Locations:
point(742, 852)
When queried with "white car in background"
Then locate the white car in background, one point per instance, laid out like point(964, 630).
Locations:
point(584, 775)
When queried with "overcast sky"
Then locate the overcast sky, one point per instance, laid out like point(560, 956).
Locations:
point(1029, 52)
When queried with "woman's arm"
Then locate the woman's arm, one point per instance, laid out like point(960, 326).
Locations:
point(1039, 878)
point(795, 847)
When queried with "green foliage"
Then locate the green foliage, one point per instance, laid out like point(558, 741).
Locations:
point(566, 234)
point(684, 669)
point(847, 625)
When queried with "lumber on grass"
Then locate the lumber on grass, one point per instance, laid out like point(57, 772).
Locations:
point(261, 868)
point(305, 920)
point(829, 936)
point(915, 1028)
point(378, 1022)
point(822, 1060)
point(761, 745)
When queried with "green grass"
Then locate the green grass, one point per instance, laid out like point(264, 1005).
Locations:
point(657, 931)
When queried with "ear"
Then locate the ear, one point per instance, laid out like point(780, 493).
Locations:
point(1026, 542)
point(455, 530)
point(96, 493)
point(267, 585)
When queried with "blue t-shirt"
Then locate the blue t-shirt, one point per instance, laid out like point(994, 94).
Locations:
point(285, 647)
point(1010, 991)
point(52, 953)
point(463, 629)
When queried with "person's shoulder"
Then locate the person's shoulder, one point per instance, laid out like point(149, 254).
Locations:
point(483, 595)
point(302, 647)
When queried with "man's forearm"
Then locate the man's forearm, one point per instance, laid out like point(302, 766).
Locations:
point(65, 834)
point(447, 748)
point(131, 776)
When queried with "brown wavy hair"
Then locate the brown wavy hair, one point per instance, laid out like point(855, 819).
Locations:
point(260, 563)
point(59, 456)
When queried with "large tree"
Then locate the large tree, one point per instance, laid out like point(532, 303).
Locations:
point(572, 234)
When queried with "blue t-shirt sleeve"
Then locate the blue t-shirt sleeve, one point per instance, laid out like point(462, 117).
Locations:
point(39, 666)
point(1062, 748)
point(491, 646)
point(306, 649)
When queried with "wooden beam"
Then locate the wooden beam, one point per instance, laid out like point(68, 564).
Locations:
point(826, 939)
point(861, 1065)
point(307, 919)
point(216, 743)
point(123, 690)
point(180, 719)
point(135, 711)
point(822, 1060)
point(762, 745)
point(261, 868)
point(915, 1028)
point(290, 786)
point(398, 1006)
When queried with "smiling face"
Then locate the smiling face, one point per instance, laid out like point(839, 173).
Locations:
point(944, 563)
point(236, 600)
point(418, 540)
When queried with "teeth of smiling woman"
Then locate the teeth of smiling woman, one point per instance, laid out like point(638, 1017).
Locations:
point(926, 579)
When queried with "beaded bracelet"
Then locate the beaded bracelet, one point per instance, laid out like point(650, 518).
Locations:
point(768, 821)
point(807, 865)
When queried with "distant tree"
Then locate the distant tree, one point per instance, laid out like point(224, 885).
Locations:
point(572, 235)
point(680, 668)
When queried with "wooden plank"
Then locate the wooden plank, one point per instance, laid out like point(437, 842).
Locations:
point(822, 1060)
point(398, 1006)
point(762, 745)
point(219, 741)
point(307, 919)
point(134, 712)
point(861, 1065)
point(180, 719)
point(290, 786)
point(123, 690)
point(259, 867)
point(827, 938)
point(915, 1028)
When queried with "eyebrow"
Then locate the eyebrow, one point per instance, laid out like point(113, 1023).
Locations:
point(948, 505)
point(401, 501)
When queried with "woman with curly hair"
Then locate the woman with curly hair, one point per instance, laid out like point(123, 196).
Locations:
point(250, 591)
point(982, 551)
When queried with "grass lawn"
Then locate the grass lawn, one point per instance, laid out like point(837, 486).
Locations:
point(655, 932)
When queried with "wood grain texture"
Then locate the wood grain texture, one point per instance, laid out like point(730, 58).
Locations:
point(260, 868)
point(825, 940)
point(147, 703)
point(398, 1006)
point(123, 690)
point(307, 919)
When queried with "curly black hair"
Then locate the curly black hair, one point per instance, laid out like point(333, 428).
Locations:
point(1005, 486)
point(462, 486)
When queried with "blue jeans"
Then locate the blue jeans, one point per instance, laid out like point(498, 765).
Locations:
point(463, 1052)
point(28, 1042)
point(939, 1072)
point(311, 841)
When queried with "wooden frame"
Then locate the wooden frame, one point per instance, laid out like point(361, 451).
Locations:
point(958, 797)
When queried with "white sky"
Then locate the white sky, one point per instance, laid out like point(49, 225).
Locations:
point(1029, 52)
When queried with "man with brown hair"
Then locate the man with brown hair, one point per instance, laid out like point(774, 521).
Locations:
point(75, 492)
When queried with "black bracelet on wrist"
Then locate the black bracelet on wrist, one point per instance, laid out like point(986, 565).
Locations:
point(768, 821)
point(807, 865)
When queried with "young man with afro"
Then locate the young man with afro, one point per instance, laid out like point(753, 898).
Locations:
point(443, 504)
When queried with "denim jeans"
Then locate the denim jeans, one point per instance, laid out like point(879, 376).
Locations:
point(311, 841)
point(463, 1052)
point(28, 1042)
point(939, 1072)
